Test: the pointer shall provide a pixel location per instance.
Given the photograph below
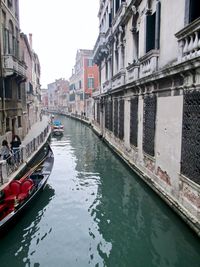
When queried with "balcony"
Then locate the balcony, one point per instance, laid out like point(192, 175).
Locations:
point(106, 86)
point(118, 80)
point(99, 48)
point(189, 41)
point(96, 92)
point(149, 63)
point(132, 72)
point(12, 66)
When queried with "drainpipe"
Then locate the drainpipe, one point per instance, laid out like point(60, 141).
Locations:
point(1, 75)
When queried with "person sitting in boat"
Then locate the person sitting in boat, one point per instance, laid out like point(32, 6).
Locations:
point(15, 147)
point(5, 152)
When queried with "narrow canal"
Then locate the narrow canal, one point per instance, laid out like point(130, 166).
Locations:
point(96, 212)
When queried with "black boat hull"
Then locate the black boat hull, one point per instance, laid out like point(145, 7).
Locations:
point(11, 219)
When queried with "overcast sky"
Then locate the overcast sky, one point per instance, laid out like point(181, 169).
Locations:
point(59, 28)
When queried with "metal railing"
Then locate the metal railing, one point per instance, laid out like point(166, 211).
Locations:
point(17, 158)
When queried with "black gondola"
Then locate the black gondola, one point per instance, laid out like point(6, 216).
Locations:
point(20, 192)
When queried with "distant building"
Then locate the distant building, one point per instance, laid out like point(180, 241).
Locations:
point(63, 94)
point(44, 99)
point(58, 95)
point(83, 82)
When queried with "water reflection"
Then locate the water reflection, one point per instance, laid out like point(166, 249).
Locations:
point(19, 238)
point(134, 222)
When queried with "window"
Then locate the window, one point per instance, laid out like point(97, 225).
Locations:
point(16, 9)
point(10, 3)
point(8, 88)
point(121, 119)
point(116, 61)
point(134, 121)
point(19, 119)
point(190, 156)
point(90, 82)
point(19, 94)
point(72, 97)
point(90, 62)
point(106, 70)
point(7, 124)
point(150, 32)
point(110, 19)
point(194, 8)
point(11, 38)
point(98, 113)
point(149, 124)
point(116, 5)
point(116, 117)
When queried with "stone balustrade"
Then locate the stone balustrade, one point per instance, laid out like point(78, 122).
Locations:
point(149, 63)
point(132, 72)
point(13, 65)
point(99, 45)
point(107, 86)
point(189, 41)
point(118, 80)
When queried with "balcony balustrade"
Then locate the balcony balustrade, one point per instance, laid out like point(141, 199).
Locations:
point(118, 80)
point(189, 41)
point(106, 86)
point(96, 92)
point(132, 72)
point(149, 63)
point(99, 46)
point(13, 65)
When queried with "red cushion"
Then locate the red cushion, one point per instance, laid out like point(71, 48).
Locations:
point(12, 191)
point(6, 191)
point(15, 187)
point(26, 185)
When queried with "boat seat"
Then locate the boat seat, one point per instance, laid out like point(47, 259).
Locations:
point(3, 207)
point(25, 188)
point(12, 191)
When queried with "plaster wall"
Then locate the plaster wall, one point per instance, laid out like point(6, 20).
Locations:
point(128, 59)
point(168, 141)
point(169, 26)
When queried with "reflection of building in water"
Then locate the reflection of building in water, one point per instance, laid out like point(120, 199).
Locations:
point(26, 229)
point(130, 220)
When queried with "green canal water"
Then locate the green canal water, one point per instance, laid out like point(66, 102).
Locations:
point(96, 212)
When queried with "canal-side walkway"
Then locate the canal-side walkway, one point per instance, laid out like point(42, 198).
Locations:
point(36, 129)
point(31, 144)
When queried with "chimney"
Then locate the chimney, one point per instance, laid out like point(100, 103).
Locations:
point(30, 40)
